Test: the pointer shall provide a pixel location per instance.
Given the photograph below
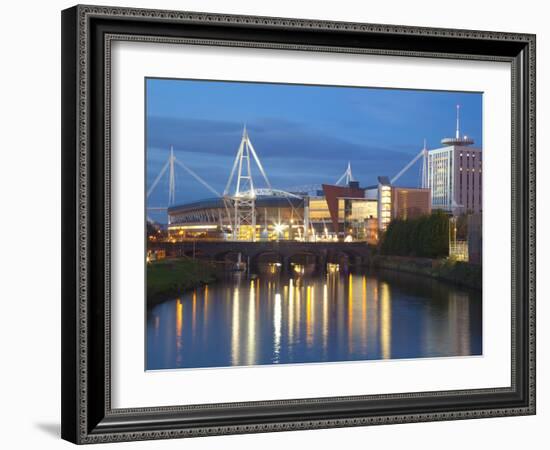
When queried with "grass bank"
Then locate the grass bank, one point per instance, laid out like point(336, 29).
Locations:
point(170, 277)
point(461, 273)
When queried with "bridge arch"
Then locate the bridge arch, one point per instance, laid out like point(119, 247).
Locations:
point(302, 257)
point(284, 252)
point(267, 256)
point(267, 261)
point(345, 258)
point(230, 257)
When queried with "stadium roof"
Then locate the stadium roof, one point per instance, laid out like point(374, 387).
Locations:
point(261, 202)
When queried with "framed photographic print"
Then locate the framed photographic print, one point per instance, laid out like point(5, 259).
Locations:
point(281, 224)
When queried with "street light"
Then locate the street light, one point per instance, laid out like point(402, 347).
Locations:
point(279, 227)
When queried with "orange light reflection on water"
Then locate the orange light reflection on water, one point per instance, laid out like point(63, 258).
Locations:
point(295, 317)
point(277, 319)
point(235, 331)
point(251, 346)
point(309, 321)
point(179, 317)
point(350, 312)
point(385, 320)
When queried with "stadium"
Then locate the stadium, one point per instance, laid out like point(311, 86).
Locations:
point(450, 180)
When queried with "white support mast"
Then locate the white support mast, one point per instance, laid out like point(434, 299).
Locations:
point(169, 166)
point(172, 185)
point(347, 176)
point(157, 179)
point(424, 168)
point(257, 160)
point(197, 177)
point(243, 198)
point(239, 195)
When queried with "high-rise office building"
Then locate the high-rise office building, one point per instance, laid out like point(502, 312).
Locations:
point(454, 174)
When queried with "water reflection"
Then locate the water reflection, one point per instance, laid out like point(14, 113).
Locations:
point(235, 328)
point(251, 347)
point(300, 317)
point(277, 322)
point(385, 319)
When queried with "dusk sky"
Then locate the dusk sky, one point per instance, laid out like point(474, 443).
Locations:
point(302, 134)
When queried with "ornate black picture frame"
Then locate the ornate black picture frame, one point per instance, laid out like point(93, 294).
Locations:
point(87, 34)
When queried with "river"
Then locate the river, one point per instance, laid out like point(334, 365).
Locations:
point(301, 317)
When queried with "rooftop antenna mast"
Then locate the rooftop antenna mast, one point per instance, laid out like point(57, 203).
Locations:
point(458, 140)
point(457, 121)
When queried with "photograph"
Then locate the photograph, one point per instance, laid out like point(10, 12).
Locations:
point(296, 223)
point(276, 220)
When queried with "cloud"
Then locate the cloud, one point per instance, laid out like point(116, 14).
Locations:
point(272, 138)
point(291, 153)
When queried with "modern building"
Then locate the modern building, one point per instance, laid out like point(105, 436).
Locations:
point(349, 213)
point(451, 180)
point(349, 210)
point(394, 202)
point(454, 174)
point(384, 202)
point(409, 203)
point(343, 211)
point(276, 218)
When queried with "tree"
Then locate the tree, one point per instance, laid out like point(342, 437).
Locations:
point(426, 236)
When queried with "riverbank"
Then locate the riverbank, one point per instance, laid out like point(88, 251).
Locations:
point(170, 277)
point(458, 272)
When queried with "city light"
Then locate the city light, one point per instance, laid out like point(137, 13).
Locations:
point(279, 228)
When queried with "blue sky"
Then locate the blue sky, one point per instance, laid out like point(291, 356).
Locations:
point(302, 134)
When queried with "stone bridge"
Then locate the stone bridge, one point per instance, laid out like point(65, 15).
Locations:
point(283, 252)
